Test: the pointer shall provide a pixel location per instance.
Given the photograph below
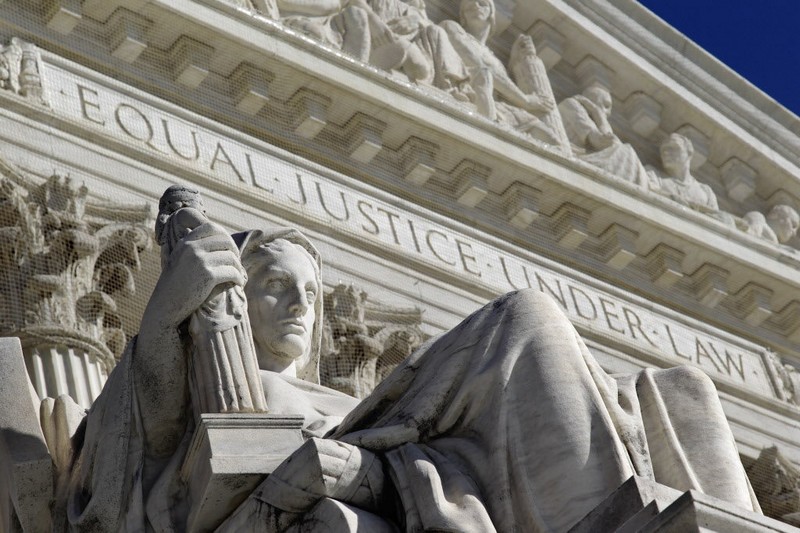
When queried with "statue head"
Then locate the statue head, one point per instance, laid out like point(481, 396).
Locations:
point(478, 18)
point(784, 221)
point(600, 97)
point(284, 298)
point(676, 155)
point(522, 49)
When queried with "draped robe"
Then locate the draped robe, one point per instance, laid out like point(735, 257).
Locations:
point(504, 423)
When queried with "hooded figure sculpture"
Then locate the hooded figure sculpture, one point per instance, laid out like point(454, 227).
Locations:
point(504, 423)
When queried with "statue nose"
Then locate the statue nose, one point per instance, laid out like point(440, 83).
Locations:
point(299, 304)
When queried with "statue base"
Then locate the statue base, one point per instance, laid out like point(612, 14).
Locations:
point(642, 506)
point(230, 454)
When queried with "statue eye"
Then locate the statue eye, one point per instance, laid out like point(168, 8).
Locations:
point(276, 284)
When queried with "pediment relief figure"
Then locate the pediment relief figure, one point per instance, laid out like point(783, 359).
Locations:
point(676, 182)
point(779, 226)
point(20, 70)
point(358, 350)
point(586, 122)
point(495, 94)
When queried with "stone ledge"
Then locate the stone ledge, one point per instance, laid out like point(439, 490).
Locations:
point(230, 454)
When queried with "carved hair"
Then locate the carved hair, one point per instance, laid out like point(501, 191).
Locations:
point(780, 213)
point(594, 93)
point(682, 140)
point(784, 211)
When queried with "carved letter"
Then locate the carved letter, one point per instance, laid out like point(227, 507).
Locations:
point(609, 314)
point(220, 151)
point(86, 104)
point(675, 346)
point(572, 291)
point(701, 351)
point(728, 361)
point(194, 157)
point(508, 277)
point(374, 230)
point(414, 235)
point(148, 138)
point(303, 198)
point(391, 217)
point(635, 323)
point(559, 297)
point(466, 258)
point(428, 236)
point(346, 216)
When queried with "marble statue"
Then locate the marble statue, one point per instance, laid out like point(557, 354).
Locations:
point(488, 76)
point(530, 74)
point(585, 119)
point(428, 56)
point(10, 63)
point(341, 24)
point(677, 182)
point(779, 226)
point(504, 423)
point(776, 480)
point(223, 365)
point(20, 69)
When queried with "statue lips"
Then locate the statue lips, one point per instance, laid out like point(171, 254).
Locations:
point(293, 325)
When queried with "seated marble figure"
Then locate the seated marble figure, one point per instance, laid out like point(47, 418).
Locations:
point(488, 77)
point(504, 423)
point(779, 226)
point(677, 182)
point(586, 121)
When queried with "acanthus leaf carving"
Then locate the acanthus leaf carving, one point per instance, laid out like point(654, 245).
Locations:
point(63, 267)
point(776, 482)
point(364, 341)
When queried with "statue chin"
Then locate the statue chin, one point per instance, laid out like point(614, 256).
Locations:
point(282, 352)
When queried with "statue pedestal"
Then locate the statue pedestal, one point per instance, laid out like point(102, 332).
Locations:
point(229, 456)
point(642, 506)
point(26, 467)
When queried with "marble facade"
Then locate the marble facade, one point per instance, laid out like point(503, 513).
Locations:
point(437, 179)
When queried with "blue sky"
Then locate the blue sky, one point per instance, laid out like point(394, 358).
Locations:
point(758, 39)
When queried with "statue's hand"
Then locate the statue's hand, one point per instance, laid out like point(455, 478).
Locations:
point(327, 468)
point(539, 105)
point(601, 140)
point(205, 258)
point(405, 25)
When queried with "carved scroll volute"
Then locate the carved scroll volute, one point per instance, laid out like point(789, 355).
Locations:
point(223, 368)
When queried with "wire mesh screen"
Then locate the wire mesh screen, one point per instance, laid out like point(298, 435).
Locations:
point(369, 130)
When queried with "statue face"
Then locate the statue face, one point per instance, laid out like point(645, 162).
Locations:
point(673, 154)
point(477, 10)
point(601, 98)
point(280, 296)
point(784, 223)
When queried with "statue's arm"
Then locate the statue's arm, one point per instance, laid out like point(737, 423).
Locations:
point(509, 90)
point(326, 468)
point(205, 258)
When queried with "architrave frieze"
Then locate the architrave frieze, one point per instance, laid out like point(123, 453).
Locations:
point(697, 239)
point(155, 26)
point(92, 100)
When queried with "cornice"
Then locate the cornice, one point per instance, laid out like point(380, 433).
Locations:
point(420, 146)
